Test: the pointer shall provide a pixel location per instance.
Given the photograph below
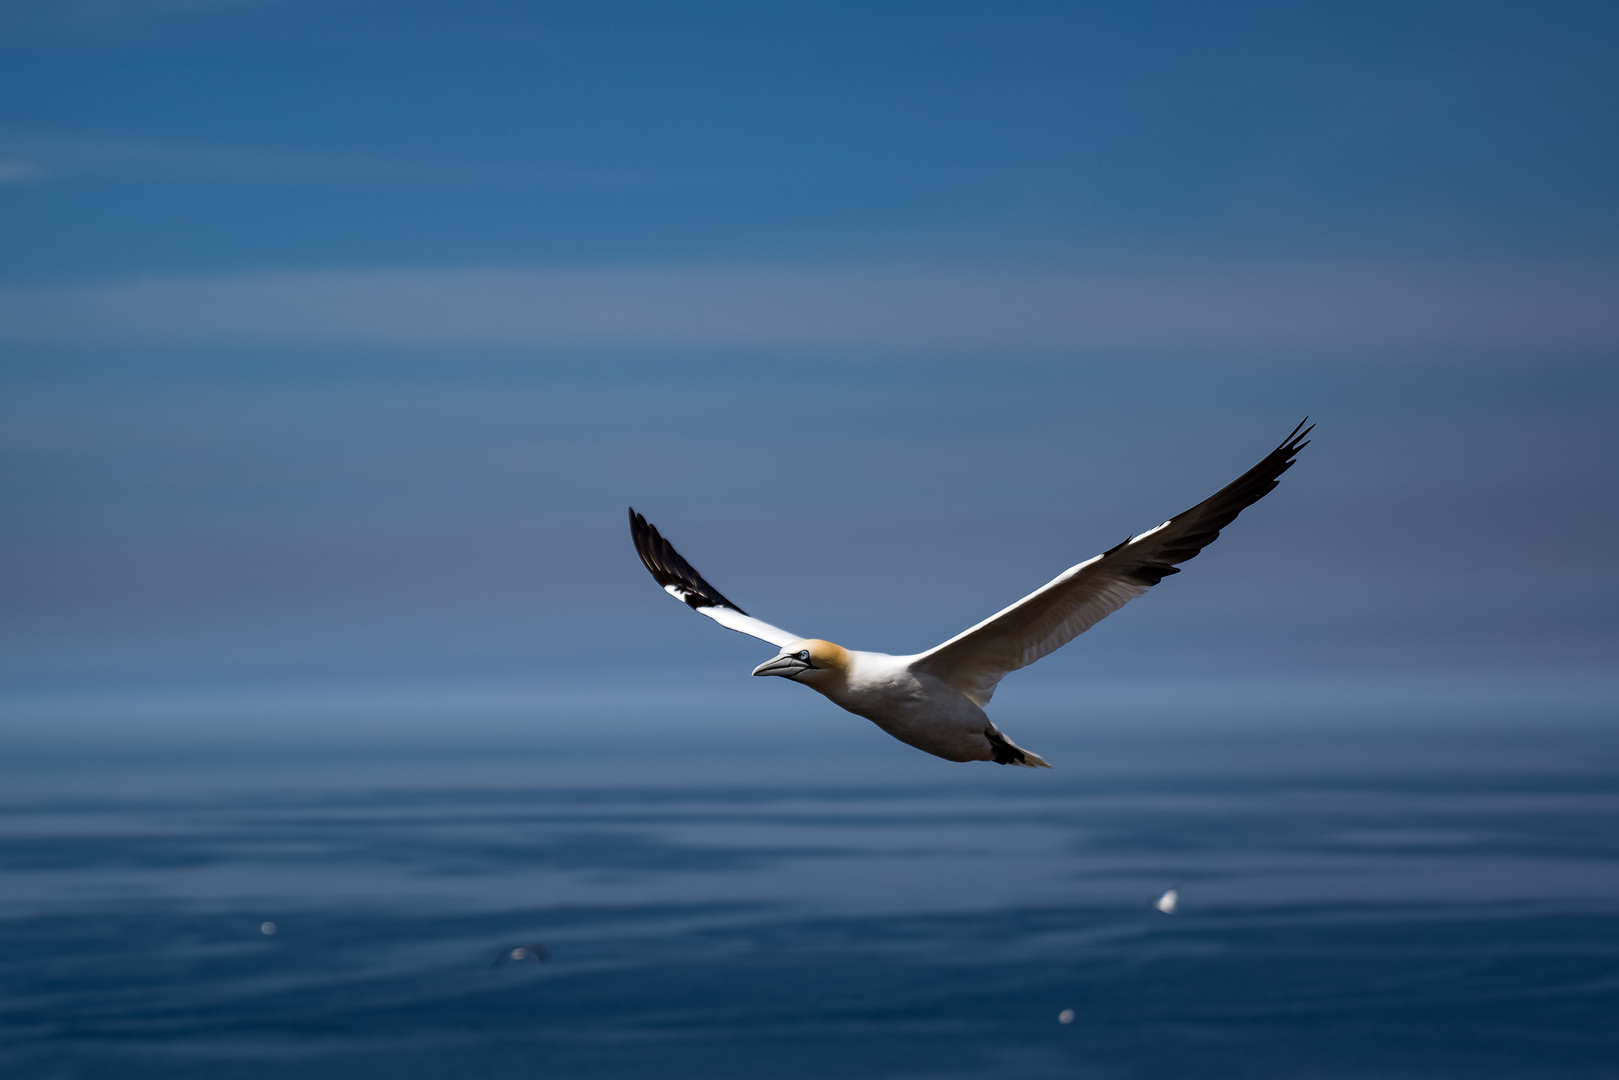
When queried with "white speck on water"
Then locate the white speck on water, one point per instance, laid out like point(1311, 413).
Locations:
point(518, 954)
point(1166, 903)
point(266, 928)
point(1066, 1016)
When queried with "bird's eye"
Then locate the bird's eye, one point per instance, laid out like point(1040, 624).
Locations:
point(803, 654)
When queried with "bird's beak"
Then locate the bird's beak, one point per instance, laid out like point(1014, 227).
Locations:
point(785, 666)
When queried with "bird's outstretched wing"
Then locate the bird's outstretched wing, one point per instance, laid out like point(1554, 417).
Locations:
point(685, 584)
point(975, 660)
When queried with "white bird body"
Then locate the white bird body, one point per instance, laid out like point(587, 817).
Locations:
point(935, 700)
point(915, 707)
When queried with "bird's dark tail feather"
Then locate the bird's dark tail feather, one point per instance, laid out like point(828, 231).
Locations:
point(1009, 753)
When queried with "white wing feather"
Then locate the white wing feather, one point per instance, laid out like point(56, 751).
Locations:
point(681, 581)
point(732, 619)
point(976, 660)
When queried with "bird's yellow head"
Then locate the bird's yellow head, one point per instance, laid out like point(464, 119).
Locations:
point(804, 658)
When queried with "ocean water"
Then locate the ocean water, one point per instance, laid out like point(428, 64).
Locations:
point(1351, 905)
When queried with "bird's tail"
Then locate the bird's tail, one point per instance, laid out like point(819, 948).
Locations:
point(1009, 753)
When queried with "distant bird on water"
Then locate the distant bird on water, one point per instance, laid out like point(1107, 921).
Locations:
point(934, 700)
point(1166, 903)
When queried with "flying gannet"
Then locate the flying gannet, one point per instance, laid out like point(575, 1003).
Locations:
point(935, 700)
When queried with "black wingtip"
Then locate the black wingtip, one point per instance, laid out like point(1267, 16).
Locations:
point(1201, 525)
point(667, 568)
point(1297, 440)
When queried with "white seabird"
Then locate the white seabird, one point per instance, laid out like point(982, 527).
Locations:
point(935, 700)
point(1166, 903)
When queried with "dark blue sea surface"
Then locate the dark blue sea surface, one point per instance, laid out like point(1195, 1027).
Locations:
point(1372, 905)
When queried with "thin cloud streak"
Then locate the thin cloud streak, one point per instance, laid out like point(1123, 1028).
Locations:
point(20, 172)
point(1206, 307)
point(59, 156)
point(56, 19)
point(69, 156)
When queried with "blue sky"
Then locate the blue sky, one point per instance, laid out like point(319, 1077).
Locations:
point(337, 336)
